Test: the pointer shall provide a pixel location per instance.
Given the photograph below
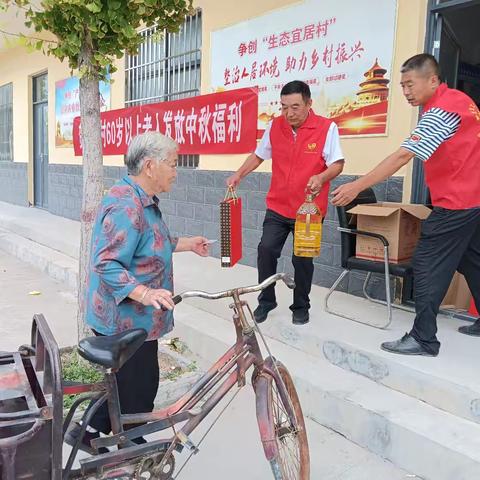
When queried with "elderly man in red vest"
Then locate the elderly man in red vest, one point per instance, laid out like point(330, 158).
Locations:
point(305, 152)
point(447, 139)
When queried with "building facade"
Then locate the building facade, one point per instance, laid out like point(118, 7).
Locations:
point(38, 101)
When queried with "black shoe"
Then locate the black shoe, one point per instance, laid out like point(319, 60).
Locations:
point(407, 345)
point(261, 312)
point(72, 435)
point(473, 329)
point(300, 317)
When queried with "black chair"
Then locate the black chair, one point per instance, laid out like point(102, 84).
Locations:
point(350, 262)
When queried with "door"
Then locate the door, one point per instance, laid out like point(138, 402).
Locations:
point(447, 53)
point(40, 140)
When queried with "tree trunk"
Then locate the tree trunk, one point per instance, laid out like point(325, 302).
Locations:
point(91, 137)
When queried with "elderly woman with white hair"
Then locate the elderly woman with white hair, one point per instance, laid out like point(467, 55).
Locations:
point(130, 281)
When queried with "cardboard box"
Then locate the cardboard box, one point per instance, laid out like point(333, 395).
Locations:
point(399, 223)
point(458, 296)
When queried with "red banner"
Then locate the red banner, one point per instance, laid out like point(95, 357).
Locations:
point(218, 123)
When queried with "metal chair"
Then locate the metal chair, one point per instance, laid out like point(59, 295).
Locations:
point(350, 262)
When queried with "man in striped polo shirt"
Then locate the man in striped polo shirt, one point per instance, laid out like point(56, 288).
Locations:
point(447, 140)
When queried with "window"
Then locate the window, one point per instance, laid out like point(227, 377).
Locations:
point(40, 88)
point(6, 122)
point(166, 68)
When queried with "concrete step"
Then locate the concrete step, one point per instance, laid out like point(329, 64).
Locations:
point(395, 426)
point(443, 393)
point(58, 233)
point(54, 263)
point(449, 382)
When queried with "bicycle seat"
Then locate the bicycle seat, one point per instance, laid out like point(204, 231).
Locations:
point(114, 350)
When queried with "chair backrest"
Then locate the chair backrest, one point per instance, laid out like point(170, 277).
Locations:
point(349, 242)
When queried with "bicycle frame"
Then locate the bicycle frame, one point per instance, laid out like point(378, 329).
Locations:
point(228, 371)
point(43, 371)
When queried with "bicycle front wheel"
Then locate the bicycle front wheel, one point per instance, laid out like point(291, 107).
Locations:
point(282, 426)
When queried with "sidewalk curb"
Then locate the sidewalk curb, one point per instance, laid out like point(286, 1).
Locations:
point(55, 264)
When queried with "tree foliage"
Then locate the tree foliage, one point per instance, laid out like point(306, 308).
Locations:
point(106, 28)
point(90, 34)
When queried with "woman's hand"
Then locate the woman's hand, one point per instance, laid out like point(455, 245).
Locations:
point(199, 245)
point(157, 297)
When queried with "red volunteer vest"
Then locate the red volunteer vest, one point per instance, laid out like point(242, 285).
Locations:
point(294, 161)
point(452, 173)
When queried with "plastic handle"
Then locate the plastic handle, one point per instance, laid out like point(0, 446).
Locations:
point(176, 300)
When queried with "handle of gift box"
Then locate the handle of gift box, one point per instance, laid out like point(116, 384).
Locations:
point(230, 194)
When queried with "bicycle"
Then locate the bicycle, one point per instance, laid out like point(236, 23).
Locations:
point(279, 414)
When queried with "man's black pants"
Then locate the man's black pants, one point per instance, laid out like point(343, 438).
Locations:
point(137, 382)
point(275, 232)
point(449, 241)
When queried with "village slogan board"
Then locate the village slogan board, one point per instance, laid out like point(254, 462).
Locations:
point(343, 50)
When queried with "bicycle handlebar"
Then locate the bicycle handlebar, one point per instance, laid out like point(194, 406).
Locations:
point(286, 278)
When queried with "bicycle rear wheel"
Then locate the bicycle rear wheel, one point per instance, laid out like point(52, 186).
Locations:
point(284, 438)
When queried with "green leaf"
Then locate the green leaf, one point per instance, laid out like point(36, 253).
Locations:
point(93, 7)
point(114, 4)
point(107, 27)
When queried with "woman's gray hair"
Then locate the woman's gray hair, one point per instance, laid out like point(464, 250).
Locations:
point(148, 145)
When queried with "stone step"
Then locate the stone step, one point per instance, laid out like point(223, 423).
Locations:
point(54, 263)
point(413, 435)
point(449, 382)
point(58, 233)
point(443, 393)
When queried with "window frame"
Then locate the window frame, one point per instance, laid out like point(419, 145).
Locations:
point(6, 122)
point(164, 67)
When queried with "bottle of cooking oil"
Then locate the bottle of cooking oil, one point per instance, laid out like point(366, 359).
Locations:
point(308, 229)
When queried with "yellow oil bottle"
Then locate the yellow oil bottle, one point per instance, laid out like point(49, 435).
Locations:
point(308, 229)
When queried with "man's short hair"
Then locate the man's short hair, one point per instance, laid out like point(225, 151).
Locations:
point(423, 63)
point(297, 86)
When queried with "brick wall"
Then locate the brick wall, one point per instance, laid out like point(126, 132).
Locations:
point(65, 188)
point(14, 183)
point(192, 208)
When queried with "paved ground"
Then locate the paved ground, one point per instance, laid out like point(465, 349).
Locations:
point(17, 305)
point(232, 450)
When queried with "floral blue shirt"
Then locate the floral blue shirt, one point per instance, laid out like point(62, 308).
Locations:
point(131, 246)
